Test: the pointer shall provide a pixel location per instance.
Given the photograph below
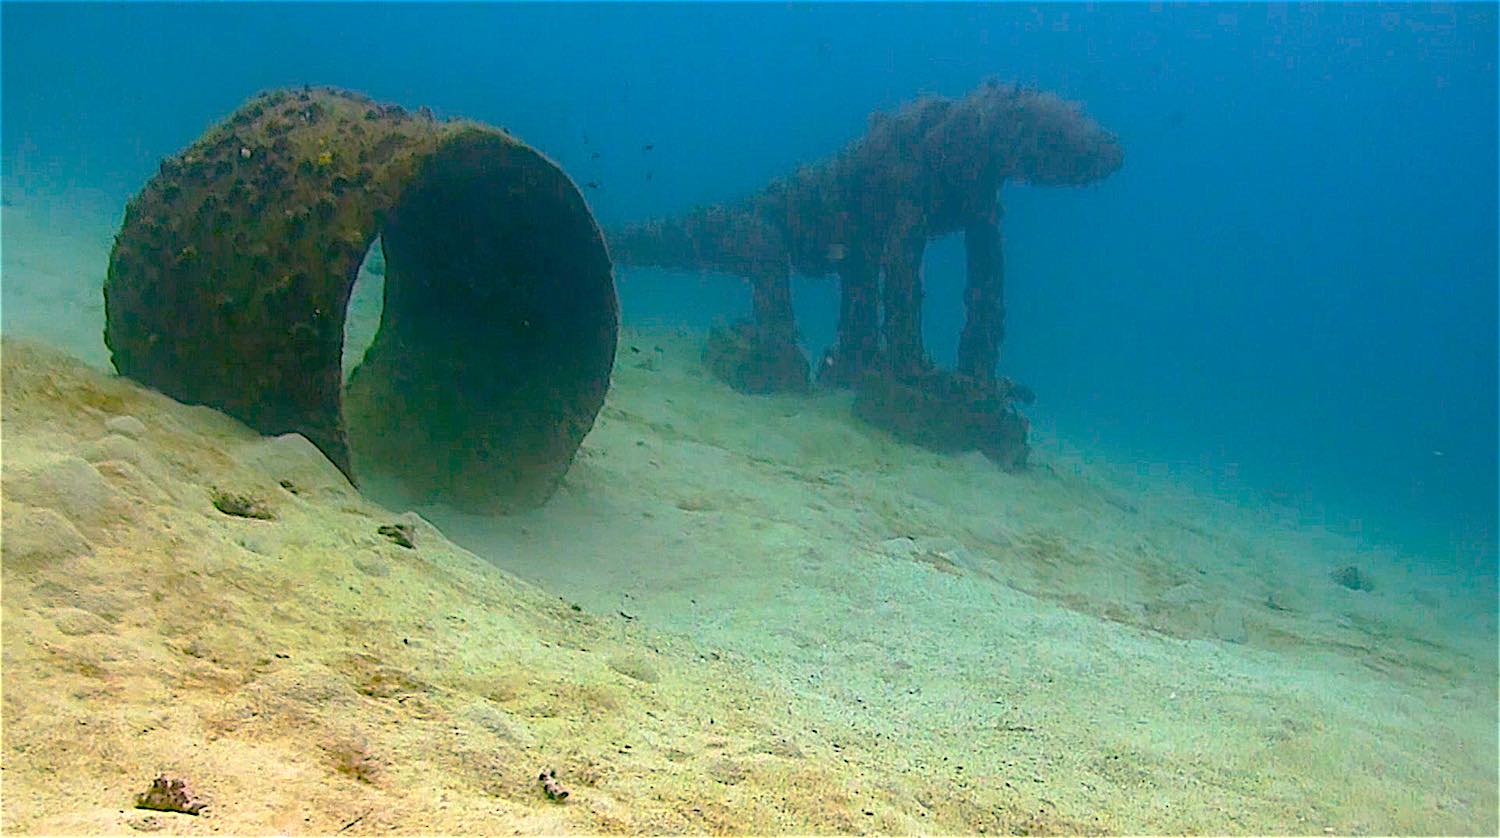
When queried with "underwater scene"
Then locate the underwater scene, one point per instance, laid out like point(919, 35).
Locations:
point(741, 418)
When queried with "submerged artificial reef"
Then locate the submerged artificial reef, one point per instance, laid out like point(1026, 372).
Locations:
point(230, 278)
point(933, 167)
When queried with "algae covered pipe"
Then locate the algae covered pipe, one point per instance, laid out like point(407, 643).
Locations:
point(230, 278)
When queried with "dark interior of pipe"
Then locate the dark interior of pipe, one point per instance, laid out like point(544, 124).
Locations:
point(497, 330)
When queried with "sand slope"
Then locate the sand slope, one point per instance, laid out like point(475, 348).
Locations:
point(740, 615)
point(828, 661)
point(305, 671)
point(1117, 653)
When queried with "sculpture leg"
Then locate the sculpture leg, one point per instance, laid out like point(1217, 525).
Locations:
point(964, 409)
point(771, 299)
point(858, 344)
point(984, 325)
point(762, 357)
point(903, 302)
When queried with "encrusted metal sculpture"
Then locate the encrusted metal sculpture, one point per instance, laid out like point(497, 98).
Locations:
point(229, 280)
point(933, 167)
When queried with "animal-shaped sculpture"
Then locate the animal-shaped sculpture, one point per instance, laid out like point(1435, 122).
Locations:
point(933, 167)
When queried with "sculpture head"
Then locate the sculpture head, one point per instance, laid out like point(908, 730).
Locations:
point(1040, 138)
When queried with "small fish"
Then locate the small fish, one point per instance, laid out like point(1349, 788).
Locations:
point(648, 176)
point(1437, 453)
point(594, 156)
point(836, 252)
point(648, 146)
point(593, 184)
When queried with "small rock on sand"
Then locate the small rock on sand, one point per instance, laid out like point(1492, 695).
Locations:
point(632, 666)
point(68, 485)
point(126, 426)
point(1229, 624)
point(75, 622)
point(35, 538)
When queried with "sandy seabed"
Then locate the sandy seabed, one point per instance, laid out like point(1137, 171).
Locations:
point(739, 615)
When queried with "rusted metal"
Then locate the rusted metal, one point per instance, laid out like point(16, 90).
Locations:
point(933, 167)
point(230, 278)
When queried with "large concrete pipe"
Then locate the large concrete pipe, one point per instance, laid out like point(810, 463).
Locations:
point(229, 281)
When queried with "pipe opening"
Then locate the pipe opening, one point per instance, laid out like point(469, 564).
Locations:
point(362, 316)
point(496, 335)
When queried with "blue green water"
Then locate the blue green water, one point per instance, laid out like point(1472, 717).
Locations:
point(1289, 289)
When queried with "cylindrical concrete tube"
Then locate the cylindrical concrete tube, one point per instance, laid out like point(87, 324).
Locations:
point(229, 281)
